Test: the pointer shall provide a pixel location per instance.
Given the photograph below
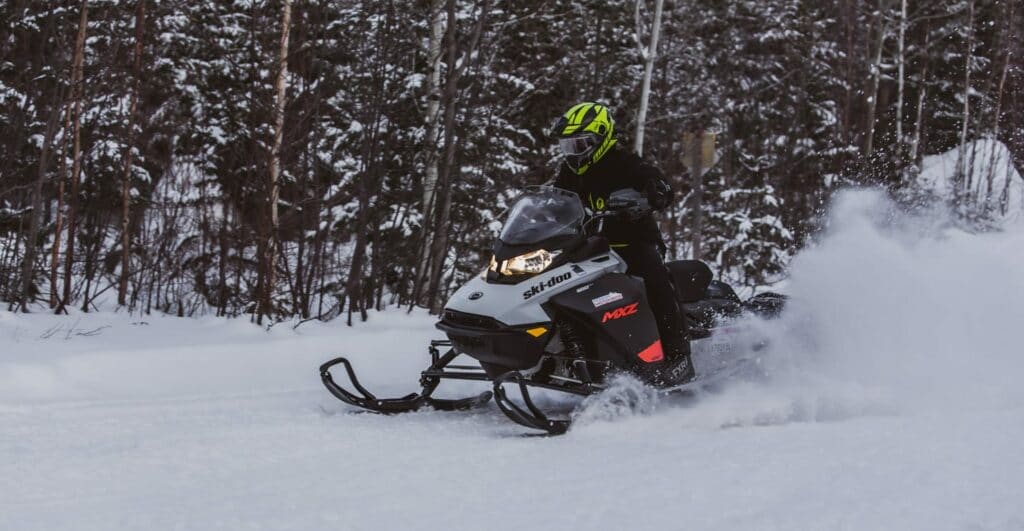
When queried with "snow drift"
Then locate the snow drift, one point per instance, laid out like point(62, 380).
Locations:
point(994, 186)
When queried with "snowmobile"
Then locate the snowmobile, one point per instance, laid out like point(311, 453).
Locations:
point(556, 310)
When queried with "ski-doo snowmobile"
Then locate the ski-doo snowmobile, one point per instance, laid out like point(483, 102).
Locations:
point(556, 310)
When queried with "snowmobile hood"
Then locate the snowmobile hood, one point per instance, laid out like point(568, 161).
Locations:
point(520, 304)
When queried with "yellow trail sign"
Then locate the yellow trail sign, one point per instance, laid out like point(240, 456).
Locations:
point(699, 153)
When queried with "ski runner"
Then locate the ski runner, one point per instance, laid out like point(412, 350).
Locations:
point(594, 166)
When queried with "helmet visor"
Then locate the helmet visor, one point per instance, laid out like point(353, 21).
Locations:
point(575, 146)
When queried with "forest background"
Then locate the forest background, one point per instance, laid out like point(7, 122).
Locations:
point(316, 158)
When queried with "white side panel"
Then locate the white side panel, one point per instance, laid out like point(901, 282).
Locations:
point(519, 304)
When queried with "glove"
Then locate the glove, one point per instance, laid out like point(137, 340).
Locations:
point(635, 213)
point(629, 203)
point(659, 193)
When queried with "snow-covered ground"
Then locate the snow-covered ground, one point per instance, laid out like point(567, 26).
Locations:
point(893, 401)
point(994, 185)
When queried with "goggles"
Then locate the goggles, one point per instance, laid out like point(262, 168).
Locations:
point(579, 144)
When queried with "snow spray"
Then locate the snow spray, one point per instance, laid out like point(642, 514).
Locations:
point(891, 313)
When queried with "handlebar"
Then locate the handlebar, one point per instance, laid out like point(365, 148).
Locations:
point(625, 202)
point(634, 211)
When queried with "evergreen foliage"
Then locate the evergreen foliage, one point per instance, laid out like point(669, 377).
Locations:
point(804, 96)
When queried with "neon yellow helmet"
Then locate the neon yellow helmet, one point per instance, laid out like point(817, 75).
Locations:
point(585, 133)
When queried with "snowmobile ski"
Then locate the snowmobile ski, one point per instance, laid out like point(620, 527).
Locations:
point(532, 417)
point(429, 381)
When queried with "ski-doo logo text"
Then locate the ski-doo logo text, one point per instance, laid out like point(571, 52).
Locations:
point(549, 283)
point(620, 312)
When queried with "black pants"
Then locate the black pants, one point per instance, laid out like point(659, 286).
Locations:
point(644, 261)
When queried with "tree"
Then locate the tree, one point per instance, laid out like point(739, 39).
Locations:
point(280, 95)
point(647, 56)
point(390, 159)
point(78, 89)
point(133, 117)
point(448, 172)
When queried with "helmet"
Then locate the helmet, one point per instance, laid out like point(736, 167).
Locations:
point(585, 133)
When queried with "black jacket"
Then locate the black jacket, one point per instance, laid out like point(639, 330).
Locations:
point(618, 169)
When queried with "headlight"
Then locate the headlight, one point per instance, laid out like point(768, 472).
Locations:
point(525, 264)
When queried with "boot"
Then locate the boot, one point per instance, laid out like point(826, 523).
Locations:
point(677, 367)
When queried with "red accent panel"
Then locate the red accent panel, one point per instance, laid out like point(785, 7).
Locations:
point(652, 353)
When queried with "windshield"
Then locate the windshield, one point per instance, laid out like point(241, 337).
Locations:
point(541, 213)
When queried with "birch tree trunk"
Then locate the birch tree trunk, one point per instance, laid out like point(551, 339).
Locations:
point(961, 169)
point(922, 97)
point(1001, 91)
point(59, 213)
point(876, 74)
point(648, 55)
point(280, 87)
point(76, 157)
point(126, 170)
point(439, 245)
point(1007, 38)
point(901, 60)
point(433, 105)
point(849, 23)
point(431, 146)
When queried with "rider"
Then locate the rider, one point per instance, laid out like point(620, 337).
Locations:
point(595, 165)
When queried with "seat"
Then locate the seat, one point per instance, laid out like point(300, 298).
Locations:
point(702, 300)
point(691, 279)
